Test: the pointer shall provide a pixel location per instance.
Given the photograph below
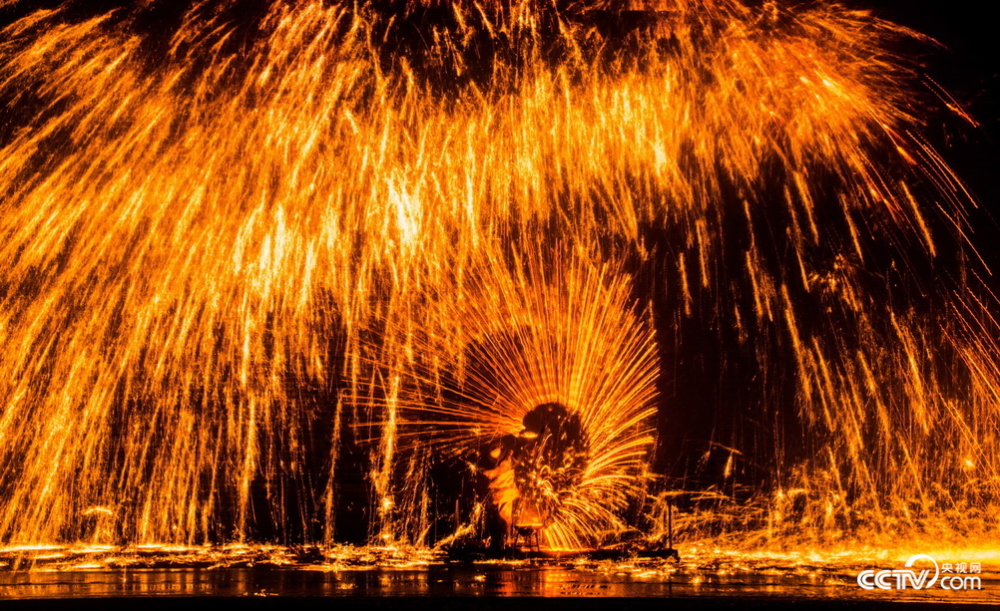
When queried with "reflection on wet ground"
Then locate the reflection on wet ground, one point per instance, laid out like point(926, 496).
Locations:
point(716, 575)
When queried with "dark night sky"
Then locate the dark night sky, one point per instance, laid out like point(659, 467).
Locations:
point(968, 68)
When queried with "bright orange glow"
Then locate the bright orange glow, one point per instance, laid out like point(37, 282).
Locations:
point(191, 241)
point(545, 334)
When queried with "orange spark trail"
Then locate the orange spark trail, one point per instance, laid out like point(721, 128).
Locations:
point(222, 245)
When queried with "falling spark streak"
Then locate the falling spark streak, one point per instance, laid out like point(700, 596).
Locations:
point(222, 243)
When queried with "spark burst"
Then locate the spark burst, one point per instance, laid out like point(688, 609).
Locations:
point(556, 342)
point(209, 236)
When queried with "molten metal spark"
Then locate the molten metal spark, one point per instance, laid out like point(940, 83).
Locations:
point(208, 234)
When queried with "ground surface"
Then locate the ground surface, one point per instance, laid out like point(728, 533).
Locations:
point(377, 577)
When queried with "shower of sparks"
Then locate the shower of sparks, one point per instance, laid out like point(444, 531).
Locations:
point(215, 242)
point(558, 334)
